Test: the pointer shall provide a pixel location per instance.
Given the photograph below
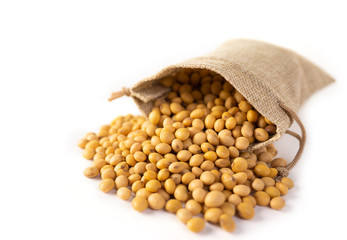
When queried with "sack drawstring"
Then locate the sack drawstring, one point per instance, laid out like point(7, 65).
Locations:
point(124, 92)
point(284, 171)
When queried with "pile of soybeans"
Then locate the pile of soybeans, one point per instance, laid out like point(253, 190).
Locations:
point(190, 157)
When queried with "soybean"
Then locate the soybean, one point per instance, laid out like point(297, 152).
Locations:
point(173, 205)
point(277, 203)
point(156, 201)
point(91, 172)
point(227, 223)
point(124, 193)
point(196, 224)
point(139, 203)
point(184, 215)
point(214, 199)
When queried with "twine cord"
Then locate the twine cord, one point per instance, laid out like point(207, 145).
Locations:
point(124, 92)
point(284, 171)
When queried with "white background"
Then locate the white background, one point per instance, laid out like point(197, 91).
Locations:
point(59, 61)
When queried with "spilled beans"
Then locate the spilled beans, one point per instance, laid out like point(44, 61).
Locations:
point(190, 156)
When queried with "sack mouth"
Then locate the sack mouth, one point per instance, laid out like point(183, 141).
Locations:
point(258, 97)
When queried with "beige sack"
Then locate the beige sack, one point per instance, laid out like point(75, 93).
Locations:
point(274, 80)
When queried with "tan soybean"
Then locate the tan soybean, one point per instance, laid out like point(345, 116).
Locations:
point(124, 193)
point(156, 201)
point(214, 199)
point(184, 215)
point(196, 224)
point(106, 185)
point(173, 205)
point(227, 223)
point(245, 210)
point(277, 203)
point(91, 172)
point(139, 203)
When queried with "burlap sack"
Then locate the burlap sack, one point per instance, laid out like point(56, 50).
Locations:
point(276, 81)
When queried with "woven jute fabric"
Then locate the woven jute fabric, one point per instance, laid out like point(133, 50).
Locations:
point(268, 76)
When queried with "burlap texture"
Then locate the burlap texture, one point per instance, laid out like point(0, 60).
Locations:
point(265, 74)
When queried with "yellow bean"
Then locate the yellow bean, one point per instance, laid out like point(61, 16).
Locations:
point(261, 135)
point(212, 215)
point(214, 199)
point(170, 186)
point(207, 178)
point(287, 181)
point(282, 187)
point(154, 116)
point(241, 190)
point(91, 172)
point(239, 164)
point(227, 223)
point(272, 191)
point(262, 198)
point(262, 170)
point(210, 121)
point(181, 193)
point(153, 185)
point(124, 193)
point(228, 181)
point(173, 205)
point(197, 113)
point(277, 203)
point(163, 148)
point(193, 206)
point(245, 210)
point(139, 203)
point(184, 215)
point(196, 224)
point(156, 201)
point(88, 153)
point(106, 185)
point(199, 194)
point(228, 208)
point(176, 167)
